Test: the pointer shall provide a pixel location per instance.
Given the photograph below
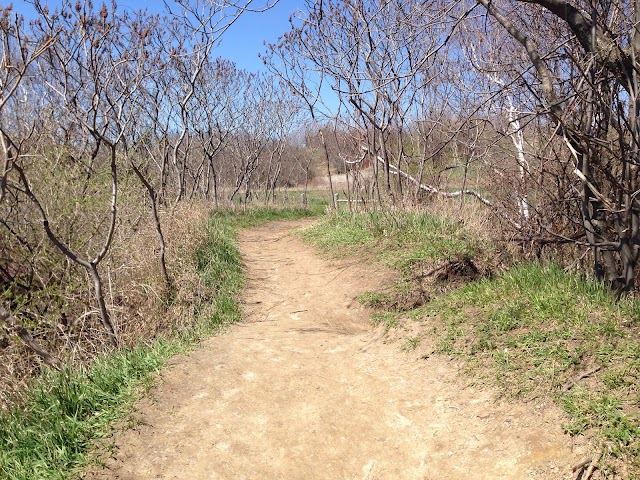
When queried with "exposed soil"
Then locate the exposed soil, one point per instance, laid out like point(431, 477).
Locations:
point(305, 389)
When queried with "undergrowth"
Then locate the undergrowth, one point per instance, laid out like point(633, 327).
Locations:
point(534, 330)
point(66, 414)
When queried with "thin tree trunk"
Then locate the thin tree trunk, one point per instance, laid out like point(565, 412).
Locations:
point(90, 266)
point(105, 318)
point(153, 198)
point(326, 154)
point(346, 176)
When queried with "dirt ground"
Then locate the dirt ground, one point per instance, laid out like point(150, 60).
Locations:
point(304, 388)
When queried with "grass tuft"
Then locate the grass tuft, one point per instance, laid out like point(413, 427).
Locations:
point(431, 254)
point(401, 238)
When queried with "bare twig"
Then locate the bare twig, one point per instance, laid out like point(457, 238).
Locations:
point(581, 464)
point(573, 381)
point(593, 464)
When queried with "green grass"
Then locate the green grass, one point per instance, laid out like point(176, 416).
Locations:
point(388, 319)
point(534, 330)
point(411, 343)
point(411, 242)
point(66, 414)
point(401, 239)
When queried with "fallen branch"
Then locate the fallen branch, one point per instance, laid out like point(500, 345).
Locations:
point(431, 189)
point(22, 332)
point(581, 464)
point(435, 269)
point(573, 381)
point(593, 464)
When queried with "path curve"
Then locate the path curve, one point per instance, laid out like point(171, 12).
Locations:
point(304, 389)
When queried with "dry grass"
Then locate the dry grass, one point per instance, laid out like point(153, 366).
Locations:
point(140, 304)
point(146, 307)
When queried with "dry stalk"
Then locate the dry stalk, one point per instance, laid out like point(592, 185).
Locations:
point(592, 465)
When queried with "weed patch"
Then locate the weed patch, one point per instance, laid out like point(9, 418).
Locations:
point(388, 319)
point(401, 238)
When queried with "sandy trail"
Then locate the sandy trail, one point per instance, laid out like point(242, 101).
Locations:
point(304, 389)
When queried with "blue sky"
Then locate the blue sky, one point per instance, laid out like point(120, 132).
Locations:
point(241, 43)
point(245, 39)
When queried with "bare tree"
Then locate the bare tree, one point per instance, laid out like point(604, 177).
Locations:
point(588, 86)
point(19, 52)
point(86, 73)
point(378, 59)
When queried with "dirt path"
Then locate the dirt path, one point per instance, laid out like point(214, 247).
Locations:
point(303, 389)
